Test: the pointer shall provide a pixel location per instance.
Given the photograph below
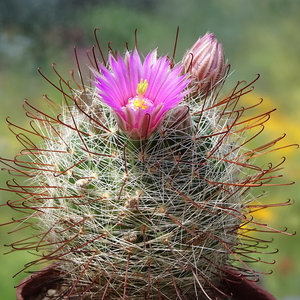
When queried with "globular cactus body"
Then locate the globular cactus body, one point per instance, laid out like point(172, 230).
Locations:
point(143, 199)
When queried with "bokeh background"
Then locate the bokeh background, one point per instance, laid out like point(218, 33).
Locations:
point(258, 37)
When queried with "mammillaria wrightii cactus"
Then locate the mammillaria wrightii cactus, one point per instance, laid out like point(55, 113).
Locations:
point(139, 187)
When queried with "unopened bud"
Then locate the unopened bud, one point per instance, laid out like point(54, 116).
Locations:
point(177, 120)
point(205, 63)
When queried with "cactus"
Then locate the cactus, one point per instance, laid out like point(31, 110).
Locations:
point(139, 187)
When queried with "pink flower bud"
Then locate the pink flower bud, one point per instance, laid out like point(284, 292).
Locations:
point(205, 63)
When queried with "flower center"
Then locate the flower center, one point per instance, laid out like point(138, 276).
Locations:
point(139, 101)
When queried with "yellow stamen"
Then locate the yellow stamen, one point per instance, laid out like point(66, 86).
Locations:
point(140, 103)
point(141, 90)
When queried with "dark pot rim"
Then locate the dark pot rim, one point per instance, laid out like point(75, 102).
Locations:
point(242, 288)
point(233, 284)
point(38, 283)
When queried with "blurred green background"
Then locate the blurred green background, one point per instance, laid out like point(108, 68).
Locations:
point(258, 37)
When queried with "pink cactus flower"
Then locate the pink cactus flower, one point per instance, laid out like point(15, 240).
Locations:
point(140, 93)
